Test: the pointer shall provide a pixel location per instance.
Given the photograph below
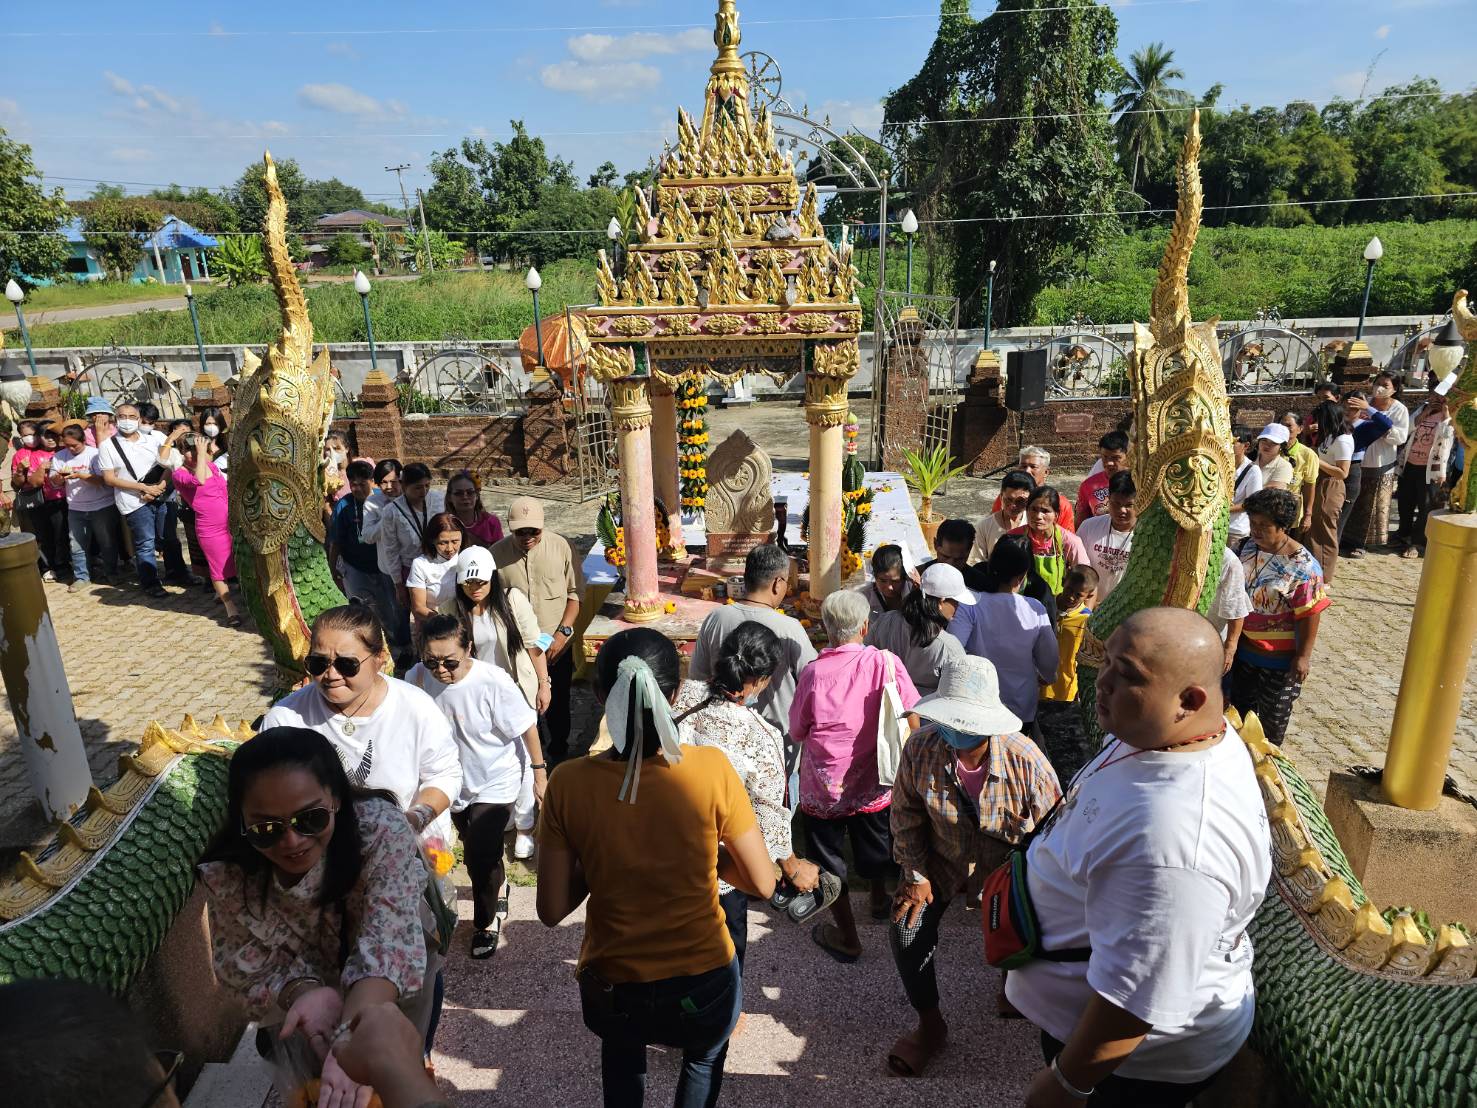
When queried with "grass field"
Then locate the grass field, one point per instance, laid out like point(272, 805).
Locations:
point(91, 294)
point(474, 305)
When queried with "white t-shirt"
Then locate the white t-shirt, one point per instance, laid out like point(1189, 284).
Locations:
point(1158, 863)
point(142, 453)
point(1232, 601)
point(1337, 449)
point(485, 637)
point(435, 576)
point(1107, 551)
point(488, 718)
point(82, 496)
point(987, 533)
point(1248, 481)
point(403, 746)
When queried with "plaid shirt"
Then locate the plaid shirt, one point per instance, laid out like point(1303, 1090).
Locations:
point(937, 828)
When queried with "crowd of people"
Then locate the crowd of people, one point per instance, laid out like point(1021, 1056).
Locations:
point(936, 750)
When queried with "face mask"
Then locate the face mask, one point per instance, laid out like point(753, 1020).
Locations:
point(211, 430)
point(750, 701)
point(128, 426)
point(959, 740)
point(28, 440)
point(1382, 391)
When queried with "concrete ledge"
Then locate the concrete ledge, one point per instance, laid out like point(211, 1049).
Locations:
point(1421, 859)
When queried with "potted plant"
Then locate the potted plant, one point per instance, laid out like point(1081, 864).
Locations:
point(927, 473)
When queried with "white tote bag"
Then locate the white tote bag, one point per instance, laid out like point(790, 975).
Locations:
point(892, 727)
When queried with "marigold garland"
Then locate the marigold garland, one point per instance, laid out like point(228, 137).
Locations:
point(692, 425)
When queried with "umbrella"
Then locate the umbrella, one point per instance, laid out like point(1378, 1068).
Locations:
point(559, 352)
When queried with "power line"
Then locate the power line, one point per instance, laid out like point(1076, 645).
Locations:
point(361, 32)
point(936, 222)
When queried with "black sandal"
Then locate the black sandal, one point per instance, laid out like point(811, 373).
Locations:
point(484, 943)
point(502, 900)
point(806, 905)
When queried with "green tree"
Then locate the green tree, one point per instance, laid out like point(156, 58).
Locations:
point(568, 209)
point(239, 260)
point(445, 252)
point(455, 198)
point(1037, 74)
point(249, 196)
point(30, 245)
point(104, 191)
point(1148, 108)
point(604, 177)
point(210, 211)
point(115, 231)
point(345, 249)
point(320, 198)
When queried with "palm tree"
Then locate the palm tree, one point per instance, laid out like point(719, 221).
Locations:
point(1145, 104)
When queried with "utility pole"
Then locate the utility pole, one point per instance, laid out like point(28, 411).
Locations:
point(420, 200)
point(397, 170)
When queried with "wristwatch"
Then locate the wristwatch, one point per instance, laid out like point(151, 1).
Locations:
point(565, 630)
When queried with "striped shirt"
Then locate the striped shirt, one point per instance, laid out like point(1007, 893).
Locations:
point(940, 830)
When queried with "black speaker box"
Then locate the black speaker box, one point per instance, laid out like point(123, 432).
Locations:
point(1025, 379)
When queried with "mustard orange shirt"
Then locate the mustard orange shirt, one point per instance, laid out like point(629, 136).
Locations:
point(1071, 628)
point(651, 866)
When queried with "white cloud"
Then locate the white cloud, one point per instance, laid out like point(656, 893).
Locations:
point(148, 99)
point(642, 44)
point(846, 115)
point(343, 100)
point(1383, 31)
point(342, 50)
point(615, 80)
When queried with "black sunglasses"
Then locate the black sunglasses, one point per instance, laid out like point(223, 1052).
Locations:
point(170, 1062)
point(317, 665)
point(308, 822)
point(448, 664)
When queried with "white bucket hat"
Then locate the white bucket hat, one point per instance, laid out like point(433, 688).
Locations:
point(968, 700)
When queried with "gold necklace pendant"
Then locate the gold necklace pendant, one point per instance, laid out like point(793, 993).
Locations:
point(347, 727)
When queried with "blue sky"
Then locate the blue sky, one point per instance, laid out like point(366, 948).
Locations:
point(190, 92)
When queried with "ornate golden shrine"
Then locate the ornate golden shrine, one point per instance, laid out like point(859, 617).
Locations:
point(727, 278)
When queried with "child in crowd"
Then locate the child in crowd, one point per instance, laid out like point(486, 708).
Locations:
point(1063, 734)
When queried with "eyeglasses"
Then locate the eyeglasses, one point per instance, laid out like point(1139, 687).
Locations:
point(170, 1062)
point(528, 532)
point(308, 822)
point(465, 492)
point(317, 665)
point(448, 664)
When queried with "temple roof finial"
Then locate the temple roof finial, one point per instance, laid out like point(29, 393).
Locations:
point(726, 36)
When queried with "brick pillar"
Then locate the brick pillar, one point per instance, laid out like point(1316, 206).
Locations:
point(377, 430)
point(547, 448)
point(46, 400)
point(981, 425)
point(905, 396)
point(1353, 368)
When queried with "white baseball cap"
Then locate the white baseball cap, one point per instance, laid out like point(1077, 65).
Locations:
point(474, 564)
point(1275, 432)
point(944, 582)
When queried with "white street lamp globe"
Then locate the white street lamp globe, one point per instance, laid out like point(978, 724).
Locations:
point(1375, 250)
point(533, 282)
point(613, 229)
point(189, 293)
point(361, 283)
point(13, 292)
point(910, 223)
point(992, 265)
point(1446, 349)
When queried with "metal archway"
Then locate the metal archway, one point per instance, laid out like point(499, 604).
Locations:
point(121, 376)
point(458, 378)
point(1085, 363)
point(1268, 356)
point(1409, 357)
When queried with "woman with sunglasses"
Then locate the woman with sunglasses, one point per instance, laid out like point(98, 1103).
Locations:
point(464, 499)
point(315, 892)
point(389, 735)
point(497, 734)
point(429, 582)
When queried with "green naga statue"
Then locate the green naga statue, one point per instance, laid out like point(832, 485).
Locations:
point(279, 420)
point(1355, 1007)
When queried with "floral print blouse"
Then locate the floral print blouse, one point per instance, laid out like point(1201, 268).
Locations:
point(754, 748)
point(261, 943)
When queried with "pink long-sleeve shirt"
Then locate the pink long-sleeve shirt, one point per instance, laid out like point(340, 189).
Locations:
point(834, 720)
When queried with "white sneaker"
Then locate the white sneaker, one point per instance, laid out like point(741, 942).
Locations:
point(523, 846)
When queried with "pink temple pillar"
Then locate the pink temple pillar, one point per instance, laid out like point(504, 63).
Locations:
point(631, 410)
point(665, 451)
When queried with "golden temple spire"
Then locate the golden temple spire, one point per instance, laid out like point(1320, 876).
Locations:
point(1169, 316)
point(727, 36)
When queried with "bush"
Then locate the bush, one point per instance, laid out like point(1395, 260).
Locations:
point(345, 249)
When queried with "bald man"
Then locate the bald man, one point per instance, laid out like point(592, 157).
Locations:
point(1157, 861)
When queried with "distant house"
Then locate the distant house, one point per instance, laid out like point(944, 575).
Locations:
point(354, 222)
point(176, 247)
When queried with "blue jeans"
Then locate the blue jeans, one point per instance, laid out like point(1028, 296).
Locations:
point(146, 525)
point(696, 1014)
point(376, 589)
point(84, 528)
point(169, 544)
